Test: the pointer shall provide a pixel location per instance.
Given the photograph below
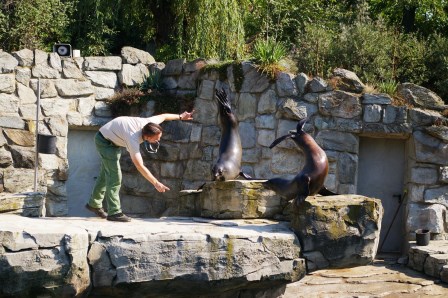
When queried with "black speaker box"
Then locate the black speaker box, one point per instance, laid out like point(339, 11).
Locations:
point(63, 49)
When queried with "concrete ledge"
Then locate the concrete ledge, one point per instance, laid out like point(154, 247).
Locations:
point(67, 257)
point(431, 259)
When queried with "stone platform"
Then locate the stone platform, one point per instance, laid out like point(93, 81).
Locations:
point(383, 278)
point(182, 257)
point(431, 259)
point(26, 204)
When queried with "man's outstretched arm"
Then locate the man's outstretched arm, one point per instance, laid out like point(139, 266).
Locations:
point(169, 117)
point(138, 162)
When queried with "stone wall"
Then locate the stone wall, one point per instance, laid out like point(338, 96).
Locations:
point(73, 96)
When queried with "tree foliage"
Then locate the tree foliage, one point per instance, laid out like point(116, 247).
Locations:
point(100, 28)
point(284, 20)
point(383, 41)
point(34, 23)
point(211, 29)
point(422, 16)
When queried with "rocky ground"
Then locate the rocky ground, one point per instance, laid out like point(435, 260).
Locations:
point(384, 278)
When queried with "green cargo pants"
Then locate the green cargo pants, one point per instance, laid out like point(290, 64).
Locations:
point(108, 183)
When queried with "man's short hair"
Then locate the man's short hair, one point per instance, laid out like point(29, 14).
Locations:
point(151, 129)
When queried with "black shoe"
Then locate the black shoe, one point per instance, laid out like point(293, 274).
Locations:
point(98, 211)
point(119, 217)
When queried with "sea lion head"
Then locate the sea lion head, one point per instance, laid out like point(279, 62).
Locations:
point(218, 173)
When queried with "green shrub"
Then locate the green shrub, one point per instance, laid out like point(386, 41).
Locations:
point(436, 60)
point(388, 87)
point(313, 51)
point(167, 52)
point(410, 59)
point(268, 53)
point(367, 49)
point(380, 56)
point(34, 23)
point(153, 81)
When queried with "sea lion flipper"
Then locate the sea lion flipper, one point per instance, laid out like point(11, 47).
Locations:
point(301, 124)
point(201, 187)
point(326, 192)
point(221, 95)
point(305, 182)
point(246, 176)
point(299, 200)
point(279, 140)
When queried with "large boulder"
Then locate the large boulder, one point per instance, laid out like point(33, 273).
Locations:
point(348, 80)
point(420, 97)
point(180, 256)
point(134, 56)
point(338, 231)
point(239, 199)
point(168, 257)
point(42, 257)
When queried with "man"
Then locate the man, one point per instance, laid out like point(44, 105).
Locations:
point(128, 132)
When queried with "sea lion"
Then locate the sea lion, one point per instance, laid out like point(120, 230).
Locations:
point(228, 165)
point(311, 178)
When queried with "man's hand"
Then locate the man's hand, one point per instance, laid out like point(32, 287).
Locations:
point(186, 115)
point(138, 162)
point(160, 187)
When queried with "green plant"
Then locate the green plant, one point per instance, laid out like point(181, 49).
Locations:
point(423, 16)
point(313, 50)
point(388, 87)
point(153, 81)
point(166, 52)
point(267, 54)
point(436, 60)
point(366, 48)
point(410, 59)
point(268, 51)
point(285, 20)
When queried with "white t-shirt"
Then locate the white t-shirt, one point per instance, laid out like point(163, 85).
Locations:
point(126, 132)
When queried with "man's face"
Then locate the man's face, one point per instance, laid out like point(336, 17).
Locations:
point(154, 138)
